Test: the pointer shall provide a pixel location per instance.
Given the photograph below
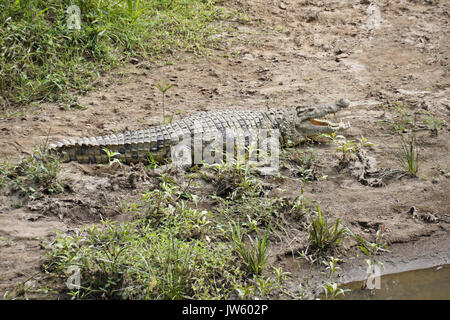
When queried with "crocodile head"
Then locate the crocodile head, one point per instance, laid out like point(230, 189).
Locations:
point(309, 123)
point(299, 124)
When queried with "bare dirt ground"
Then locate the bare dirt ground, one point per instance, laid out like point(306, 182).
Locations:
point(289, 52)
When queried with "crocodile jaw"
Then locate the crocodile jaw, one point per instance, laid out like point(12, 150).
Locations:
point(313, 127)
point(332, 125)
point(311, 123)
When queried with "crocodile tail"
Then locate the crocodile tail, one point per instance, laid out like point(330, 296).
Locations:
point(127, 147)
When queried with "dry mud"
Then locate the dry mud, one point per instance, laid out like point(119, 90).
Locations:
point(289, 52)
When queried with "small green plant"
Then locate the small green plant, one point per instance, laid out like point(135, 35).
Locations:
point(170, 119)
point(434, 124)
point(151, 162)
point(245, 291)
point(260, 287)
point(301, 205)
point(255, 212)
point(405, 126)
point(331, 265)
point(324, 236)
point(304, 162)
point(332, 289)
point(5, 242)
point(409, 153)
point(264, 286)
point(404, 119)
point(362, 143)
point(163, 88)
point(372, 249)
point(280, 274)
point(6, 172)
point(234, 178)
point(111, 155)
point(343, 145)
point(254, 253)
point(347, 146)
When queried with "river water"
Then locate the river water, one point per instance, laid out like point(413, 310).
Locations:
point(427, 284)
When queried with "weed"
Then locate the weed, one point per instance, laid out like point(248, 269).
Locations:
point(434, 124)
point(133, 260)
point(405, 121)
point(264, 286)
point(6, 173)
point(300, 207)
point(405, 127)
point(151, 162)
point(372, 249)
point(280, 274)
point(111, 155)
point(259, 287)
point(163, 88)
point(347, 147)
point(332, 289)
point(33, 176)
point(324, 236)
point(244, 291)
point(5, 242)
point(409, 153)
point(254, 253)
point(305, 163)
point(234, 178)
point(170, 118)
point(254, 212)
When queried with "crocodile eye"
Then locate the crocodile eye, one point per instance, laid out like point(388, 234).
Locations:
point(301, 109)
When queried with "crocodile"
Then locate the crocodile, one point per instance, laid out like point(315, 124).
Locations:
point(294, 125)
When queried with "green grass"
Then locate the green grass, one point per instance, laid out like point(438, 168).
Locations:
point(324, 235)
point(158, 255)
point(40, 57)
point(134, 261)
point(169, 250)
point(172, 248)
point(33, 176)
point(409, 154)
point(254, 253)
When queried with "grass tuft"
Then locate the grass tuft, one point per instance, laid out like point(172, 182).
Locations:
point(409, 153)
point(324, 236)
point(33, 176)
point(42, 58)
